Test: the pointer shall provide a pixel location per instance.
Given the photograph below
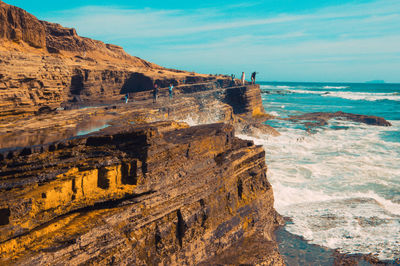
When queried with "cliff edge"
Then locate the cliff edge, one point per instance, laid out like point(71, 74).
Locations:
point(123, 183)
point(45, 64)
point(158, 193)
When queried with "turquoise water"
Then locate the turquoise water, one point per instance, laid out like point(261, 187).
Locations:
point(339, 183)
point(369, 99)
point(91, 130)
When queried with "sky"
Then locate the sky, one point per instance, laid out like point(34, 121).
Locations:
point(283, 40)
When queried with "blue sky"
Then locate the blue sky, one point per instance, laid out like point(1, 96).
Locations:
point(283, 40)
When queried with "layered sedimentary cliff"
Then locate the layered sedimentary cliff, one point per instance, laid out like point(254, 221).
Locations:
point(321, 119)
point(145, 189)
point(18, 25)
point(159, 193)
point(45, 64)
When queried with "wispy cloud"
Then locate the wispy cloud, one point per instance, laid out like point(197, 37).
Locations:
point(345, 34)
point(167, 23)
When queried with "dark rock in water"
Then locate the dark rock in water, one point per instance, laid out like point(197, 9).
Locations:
point(297, 251)
point(253, 125)
point(321, 119)
point(256, 129)
point(357, 259)
point(280, 92)
point(253, 250)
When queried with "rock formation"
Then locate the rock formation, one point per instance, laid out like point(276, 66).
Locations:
point(321, 119)
point(45, 64)
point(145, 188)
point(144, 194)
point(19, 26)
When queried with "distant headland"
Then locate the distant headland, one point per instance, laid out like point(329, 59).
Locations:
point(378, 81)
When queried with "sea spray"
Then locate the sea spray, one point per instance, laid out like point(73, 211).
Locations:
point(340, 183)
point(352, 95)
point(336, 187)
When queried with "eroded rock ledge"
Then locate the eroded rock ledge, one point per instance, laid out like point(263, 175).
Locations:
point(322, 118)
point(141, 194)
point(138, 192)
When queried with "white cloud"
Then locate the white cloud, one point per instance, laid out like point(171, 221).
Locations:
point(123, 23)
point(338, 36)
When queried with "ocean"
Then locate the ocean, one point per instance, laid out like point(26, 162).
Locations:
point(338, 184)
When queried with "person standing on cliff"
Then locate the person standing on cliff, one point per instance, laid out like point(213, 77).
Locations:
point(155, 92)
point(243, 77)
point(171, 87)
point(253, 77)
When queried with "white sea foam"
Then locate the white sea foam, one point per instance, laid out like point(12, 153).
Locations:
point(353, 95)
point(308, 91)
point(267, 87)
point(274, 113)
point(211, 114)
point(364, 96)
point(355, 225)
point(284, 87)
point(277, 88)
point(340, 187)
point(336, 87)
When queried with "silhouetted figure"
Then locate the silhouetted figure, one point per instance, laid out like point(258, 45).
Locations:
point(126, 98)
point(155, 93)
point(170, 89)
point(233, 79)
point(253, 78)
point(243, 77)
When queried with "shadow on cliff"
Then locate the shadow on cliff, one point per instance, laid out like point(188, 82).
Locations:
point(137, 82)
point(235, 97)
point(81, 84)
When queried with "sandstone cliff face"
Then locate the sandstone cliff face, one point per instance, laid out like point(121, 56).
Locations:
point(28, 82)
point(45, 64)
point(147, 189)
point(18, 25)
point(63, 67)
point(161, 193)
point(59, 38)
point(202, 107)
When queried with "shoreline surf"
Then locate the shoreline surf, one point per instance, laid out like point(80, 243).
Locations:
point(339, 184)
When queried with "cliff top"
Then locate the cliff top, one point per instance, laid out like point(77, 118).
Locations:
point(22, 32)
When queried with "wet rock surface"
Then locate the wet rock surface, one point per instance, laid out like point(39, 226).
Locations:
point(49, 125)
point(252, 250)
point(144, 194)
point(297, 251)
point(86, 178)
point(322, 118)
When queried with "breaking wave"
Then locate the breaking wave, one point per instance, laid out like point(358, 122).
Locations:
point(353, 95)
point(340, 188)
